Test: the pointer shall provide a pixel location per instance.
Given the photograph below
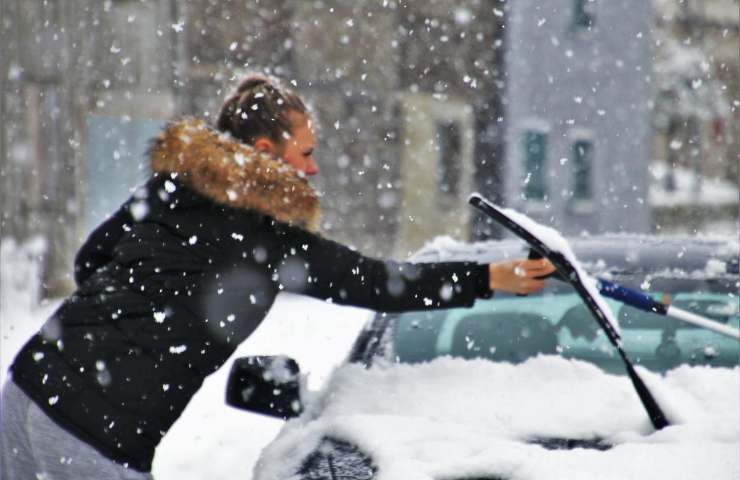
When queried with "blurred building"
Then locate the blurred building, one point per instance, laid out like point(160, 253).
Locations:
point(697, 114)
point(578, 113)
point(84, 84)
point(541, 105)
point(398, 90)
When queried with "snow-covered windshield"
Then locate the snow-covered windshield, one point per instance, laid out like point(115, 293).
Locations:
point(512, 328)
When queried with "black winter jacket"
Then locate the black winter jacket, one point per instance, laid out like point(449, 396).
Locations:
point(186, 270)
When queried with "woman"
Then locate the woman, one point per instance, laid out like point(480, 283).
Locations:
point(184, 272)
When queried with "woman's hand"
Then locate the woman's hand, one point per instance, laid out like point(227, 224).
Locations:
point(519, 276)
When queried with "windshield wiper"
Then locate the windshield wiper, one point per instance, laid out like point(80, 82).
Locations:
point(524, 228)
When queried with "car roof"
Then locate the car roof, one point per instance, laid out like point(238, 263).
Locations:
point(714, 256)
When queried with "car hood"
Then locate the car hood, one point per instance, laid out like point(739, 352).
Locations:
point(455, 418)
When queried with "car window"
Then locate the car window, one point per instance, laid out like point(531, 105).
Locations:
point(506, 328)
point(632, 318)
point(511, 329)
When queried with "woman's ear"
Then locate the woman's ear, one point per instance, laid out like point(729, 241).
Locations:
point(265, 145)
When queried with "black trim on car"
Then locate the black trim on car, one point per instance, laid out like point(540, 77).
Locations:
point(337, 460)
point(556, 443)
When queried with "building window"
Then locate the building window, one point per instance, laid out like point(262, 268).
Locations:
point(534, 144)
point(449, 165)
point(116, 149)
point(582, 166)
point(583, 18)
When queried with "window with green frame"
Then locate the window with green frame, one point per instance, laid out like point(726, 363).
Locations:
point(582, 166)
point(583, 19)
point(535, 146)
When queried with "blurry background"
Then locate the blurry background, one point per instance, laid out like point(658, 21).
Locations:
point(590, 115)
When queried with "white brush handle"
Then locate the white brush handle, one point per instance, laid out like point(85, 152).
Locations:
point(702, 322)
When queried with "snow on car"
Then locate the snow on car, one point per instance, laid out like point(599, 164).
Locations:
point(528, 387)
point(453, 418)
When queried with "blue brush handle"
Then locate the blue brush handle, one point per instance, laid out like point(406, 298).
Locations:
point(618, 292)
point(631, 297)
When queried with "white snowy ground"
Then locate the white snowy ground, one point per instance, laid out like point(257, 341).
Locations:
point(210, 440)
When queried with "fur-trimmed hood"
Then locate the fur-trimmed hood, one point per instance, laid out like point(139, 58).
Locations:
point(234, 174)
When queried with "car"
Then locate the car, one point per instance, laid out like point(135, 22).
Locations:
point(523, 387)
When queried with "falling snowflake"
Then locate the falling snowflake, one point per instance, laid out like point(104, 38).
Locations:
point(139, 210)
point(178, 349)
point(445, 293)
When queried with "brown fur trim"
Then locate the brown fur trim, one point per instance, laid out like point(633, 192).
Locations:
point(232, 173)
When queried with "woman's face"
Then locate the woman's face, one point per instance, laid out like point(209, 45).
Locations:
point(297, 150)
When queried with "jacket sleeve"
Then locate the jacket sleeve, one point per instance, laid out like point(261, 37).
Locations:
point(327, 270)
point(98, 248)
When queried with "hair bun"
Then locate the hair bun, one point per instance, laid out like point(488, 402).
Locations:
point(252, 82)
point(259, 107)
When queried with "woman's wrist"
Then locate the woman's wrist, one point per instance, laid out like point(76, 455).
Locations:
point(494, 276)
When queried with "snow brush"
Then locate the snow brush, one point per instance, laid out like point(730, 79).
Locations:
point(646, 303)
point(557, 251)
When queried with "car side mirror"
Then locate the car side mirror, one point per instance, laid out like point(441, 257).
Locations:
point(268, 385)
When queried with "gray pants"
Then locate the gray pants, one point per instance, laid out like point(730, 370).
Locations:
point(33, 447)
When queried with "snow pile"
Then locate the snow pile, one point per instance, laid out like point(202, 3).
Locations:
point(712, 191)
point(711, 248)
point(21, 271)
point(20, 274)
point(454, 418)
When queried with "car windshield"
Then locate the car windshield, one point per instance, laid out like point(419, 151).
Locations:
point(511, 328)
